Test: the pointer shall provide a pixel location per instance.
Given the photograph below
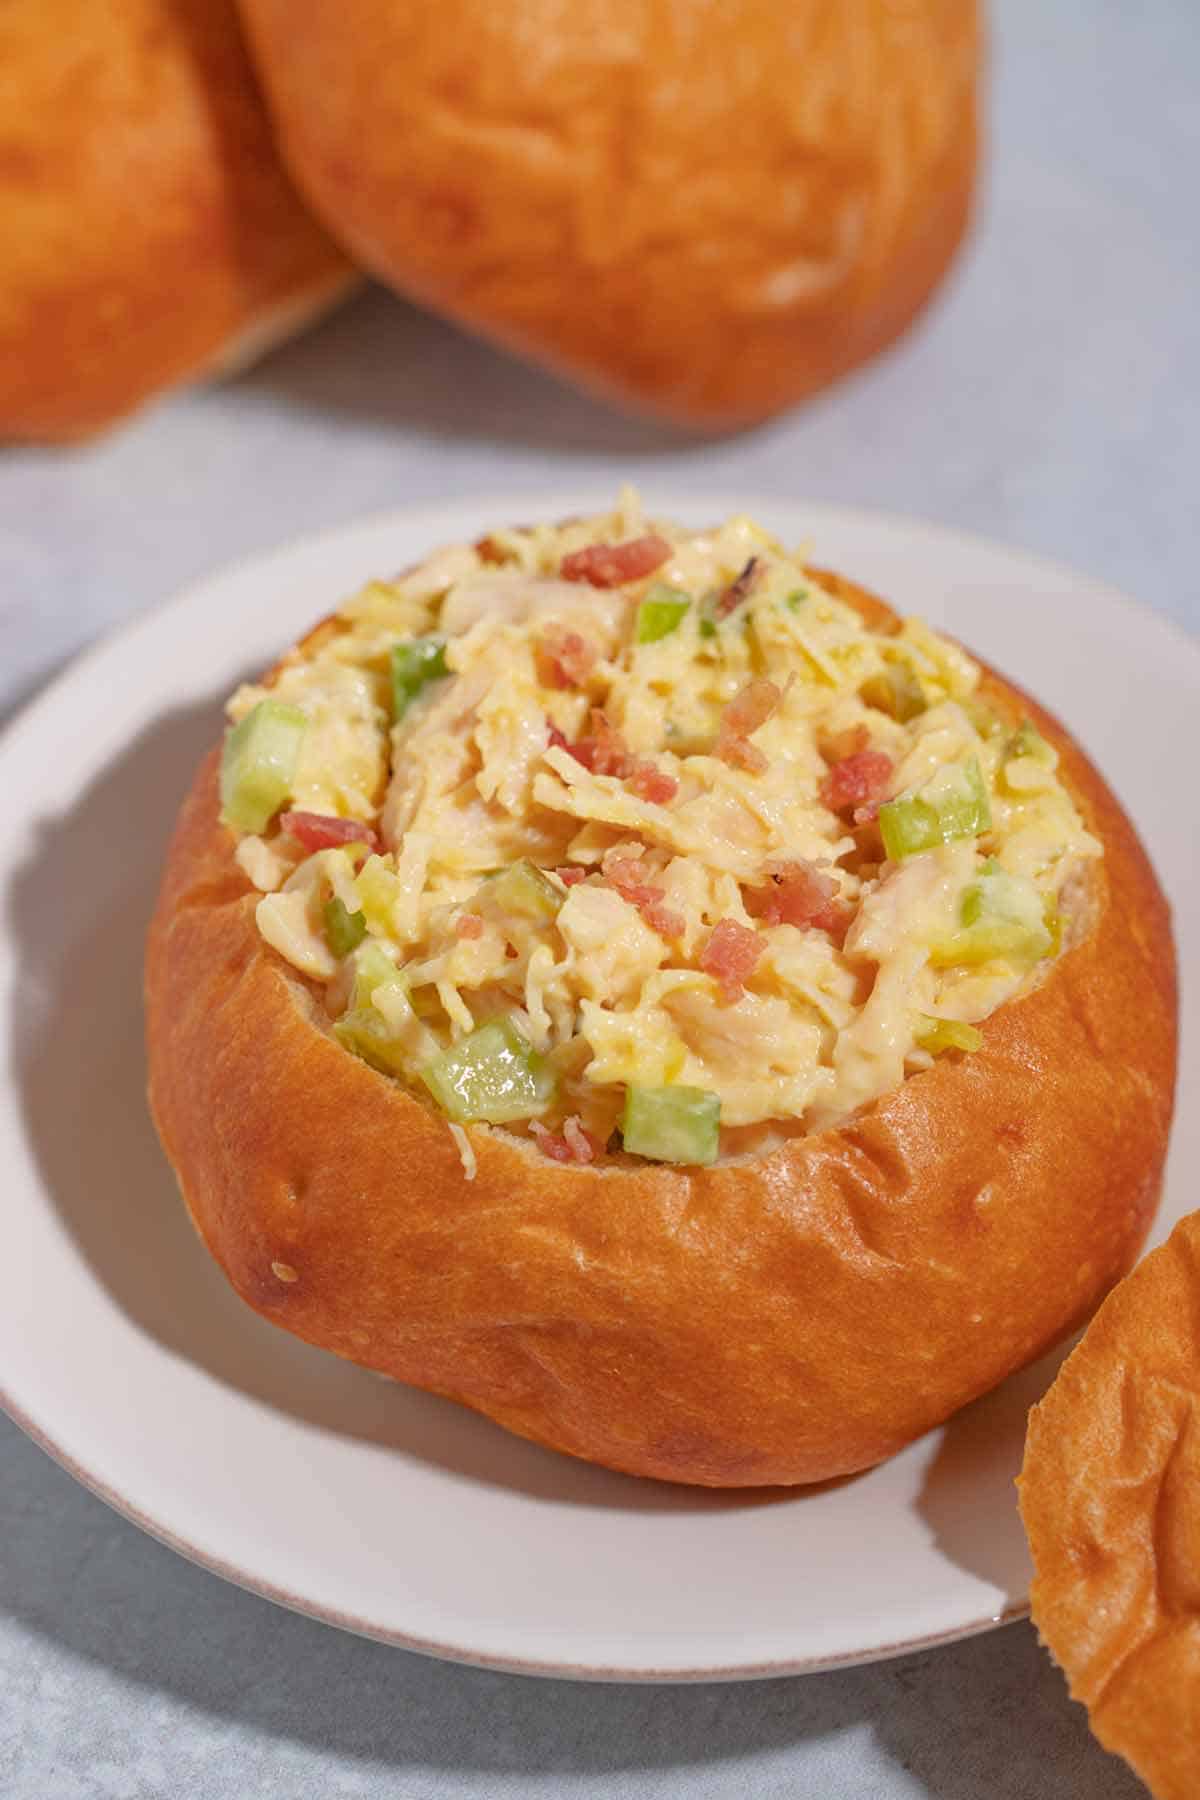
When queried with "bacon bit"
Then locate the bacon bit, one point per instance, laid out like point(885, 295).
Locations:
point(797, 894)
point(563, 659)
point(570, 875)
point(860, 780)
point(652, 784)
point(611, 565)
point(489, 551)
point(321, 831)
point(604, 751)
point(729, 955)
point(738, 589)
point(624, 873)
point(468, 925)
point(747, 710)
point(572, 1145)
point(555, 739)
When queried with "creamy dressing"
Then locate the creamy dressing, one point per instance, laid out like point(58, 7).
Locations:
point(476, 777)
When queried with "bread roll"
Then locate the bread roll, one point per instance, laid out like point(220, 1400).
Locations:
point(147, 231)
point(875, 1231)
point(705, 213)
point(1110, 1496)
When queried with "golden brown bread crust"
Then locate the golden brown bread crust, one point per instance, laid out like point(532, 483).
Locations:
point(605, 187)
point(1110, 1496)
point(771, 1321)
point(145, 221)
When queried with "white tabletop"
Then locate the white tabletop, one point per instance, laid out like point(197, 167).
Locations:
point(1049, 398)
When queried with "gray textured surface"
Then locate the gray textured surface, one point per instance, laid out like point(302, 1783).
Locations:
point(1050, 399)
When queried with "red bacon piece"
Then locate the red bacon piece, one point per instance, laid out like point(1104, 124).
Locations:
point(555, 739)
point(322, 831)
point(564, 659)
point(738, 589)
point(571, 1145)
point(747, 710)
point(729, 956)
point(611, 565)
point(860, 781)
point(570, 875)
point(797, 894)
point(604, 751)
point(625, 874)
point(652, 784)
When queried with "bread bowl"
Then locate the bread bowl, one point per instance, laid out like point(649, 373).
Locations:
point(149, 234)
point(863, 1234)
point(706, 213)
point(1110, 1497)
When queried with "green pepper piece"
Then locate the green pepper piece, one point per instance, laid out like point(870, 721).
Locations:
point(493, 1075)
point(672, 1124)
point(660, 613)
point(258, 764)
point(896, 691)
point(707, 628)
point(344, 930)
point(373, 968)
point(415, 663)
point(936, 1035)
point(1027, 740)
point(954, 804)
point(523, 890)
point(364, 1032)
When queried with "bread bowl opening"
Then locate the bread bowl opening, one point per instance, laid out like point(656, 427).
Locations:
point(640, 841)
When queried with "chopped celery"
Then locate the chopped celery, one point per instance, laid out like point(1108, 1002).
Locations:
point(378, 889)
point(344, 930)
point(414, 664)
point(896, 691)
point(523, 889)
point(493, 1075)
point(954, 804)
point(258, 764)
point(1027, 740)
point(985, 719)
point(707, 628)
point(796, 599)
point(992, 940)
point(365, 1032)
point(998, 895)
point(672, 1124)
point(659, 613)
point(936, 1035)
point(372, 968)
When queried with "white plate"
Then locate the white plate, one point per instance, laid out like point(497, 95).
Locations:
point(388, 1511)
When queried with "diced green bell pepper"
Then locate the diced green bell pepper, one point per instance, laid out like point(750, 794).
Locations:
point(672, 1124)
point(660, 613)
point(954, 804)
point(415, 663)
point(524, 891)
point(936, 1035)
point(493, 1075)
point(896, 691)
point(365, 1033)
point(258, 764)
point(1027, 740)
point(373, 968)
point(344, 930)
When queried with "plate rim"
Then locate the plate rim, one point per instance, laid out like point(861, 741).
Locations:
point(147, 622)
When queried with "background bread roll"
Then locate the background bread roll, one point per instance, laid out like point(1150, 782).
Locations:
point(708, 212)
point(147, 230)
point(1110, 1496)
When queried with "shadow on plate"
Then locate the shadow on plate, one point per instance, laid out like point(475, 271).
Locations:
point(379, 360)
point(978, 1451)
point(78, 909)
